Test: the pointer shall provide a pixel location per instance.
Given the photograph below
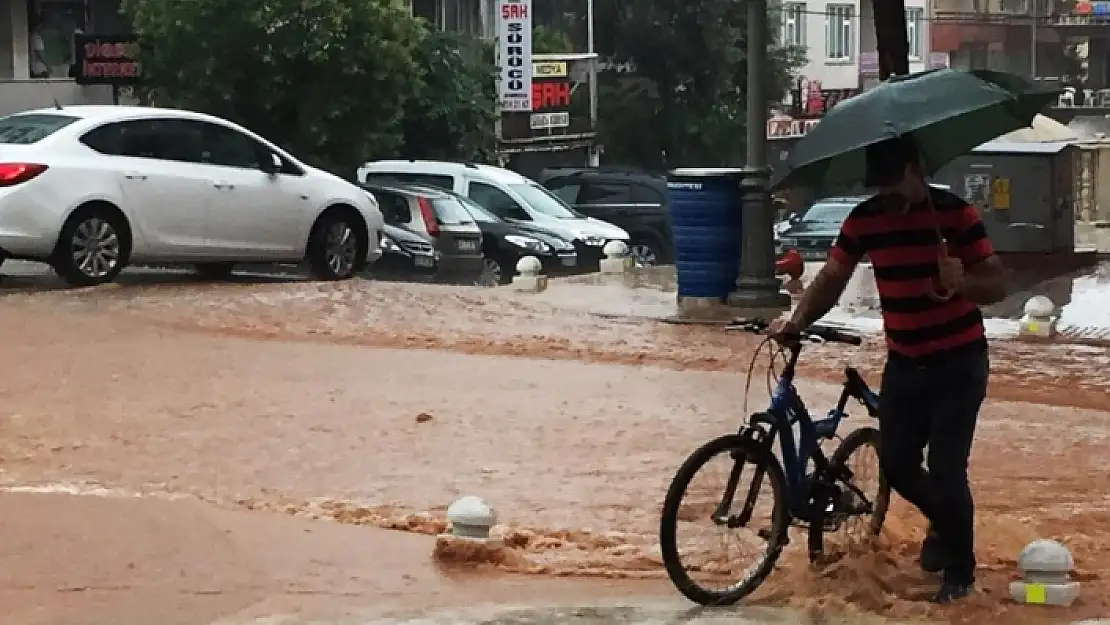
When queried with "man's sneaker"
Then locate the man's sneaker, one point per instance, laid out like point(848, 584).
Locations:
point(950, 592)
point(932, 553)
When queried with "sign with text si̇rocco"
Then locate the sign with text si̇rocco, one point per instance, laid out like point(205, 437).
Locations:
point(514, 35)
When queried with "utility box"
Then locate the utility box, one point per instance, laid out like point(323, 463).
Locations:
point(1026, 193)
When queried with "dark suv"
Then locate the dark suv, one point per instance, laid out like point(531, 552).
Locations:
point(634, 201)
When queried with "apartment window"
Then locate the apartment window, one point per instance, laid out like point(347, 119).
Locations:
point(794, 24)
point(50, 30)
point(839, 32)
point(915, 32)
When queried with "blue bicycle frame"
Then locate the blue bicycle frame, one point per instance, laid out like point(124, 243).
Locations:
point(787, 408)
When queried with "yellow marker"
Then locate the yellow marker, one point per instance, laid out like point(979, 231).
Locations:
point(1035, 593)
point(1034, 327)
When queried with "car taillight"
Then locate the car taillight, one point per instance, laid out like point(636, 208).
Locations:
point(14, 173)
point(429, 215)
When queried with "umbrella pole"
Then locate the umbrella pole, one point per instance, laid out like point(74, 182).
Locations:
point(758, 291)
point(891, 37)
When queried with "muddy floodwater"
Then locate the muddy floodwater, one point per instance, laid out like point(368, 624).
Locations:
point(376, 405)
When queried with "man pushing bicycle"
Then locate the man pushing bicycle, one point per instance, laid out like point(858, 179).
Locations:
point(933, 267)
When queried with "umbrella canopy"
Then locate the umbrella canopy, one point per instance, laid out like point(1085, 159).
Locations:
point(948, 112)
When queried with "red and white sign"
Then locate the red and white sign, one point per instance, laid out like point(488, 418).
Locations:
point(514, 52)
point(788, 128)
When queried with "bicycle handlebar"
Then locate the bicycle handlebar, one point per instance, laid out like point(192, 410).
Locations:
point(814, 333)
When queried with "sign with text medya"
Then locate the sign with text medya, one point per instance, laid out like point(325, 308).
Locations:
point(107, 59)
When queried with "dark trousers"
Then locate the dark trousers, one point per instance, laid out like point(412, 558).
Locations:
point(935, 403)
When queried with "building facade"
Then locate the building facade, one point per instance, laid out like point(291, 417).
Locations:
point(35, 62)
point(839, 39)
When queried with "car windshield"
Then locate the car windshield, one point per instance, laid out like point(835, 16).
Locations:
point(450, 212)
point(27, 129)
point(543, 201)
point(828, 213)
point(477, 211)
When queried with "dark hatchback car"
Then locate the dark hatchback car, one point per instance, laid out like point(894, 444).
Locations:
point(405, 255)
point(813, 232)
point(504, 243)
point(635, 201)
point(438, 214)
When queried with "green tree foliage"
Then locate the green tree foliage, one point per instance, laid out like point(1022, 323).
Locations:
point(336, 82)
point(454, 113)
point(548, 40)
point(687, 81)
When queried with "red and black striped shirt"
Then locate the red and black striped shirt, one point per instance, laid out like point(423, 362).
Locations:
point(904, 246)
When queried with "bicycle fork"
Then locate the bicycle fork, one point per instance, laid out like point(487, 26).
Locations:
point(721, 515)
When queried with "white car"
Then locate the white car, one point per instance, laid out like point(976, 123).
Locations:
point(91, 189)
point(504, 193)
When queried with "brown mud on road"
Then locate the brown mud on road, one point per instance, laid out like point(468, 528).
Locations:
point(135, 561)
point(499, 322)
point(104, 389)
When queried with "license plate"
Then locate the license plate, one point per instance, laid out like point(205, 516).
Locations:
point(424, 261)
point(467, 246)
point(568, 261)
point(814, 254)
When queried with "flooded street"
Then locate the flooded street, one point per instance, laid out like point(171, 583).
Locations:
point(252, 414)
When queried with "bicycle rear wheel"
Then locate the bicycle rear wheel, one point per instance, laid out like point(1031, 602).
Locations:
point(859, 452)
point(759, 493)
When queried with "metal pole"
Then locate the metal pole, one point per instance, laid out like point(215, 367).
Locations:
point(1033, 42)
point(757, 288)
point(594, 156)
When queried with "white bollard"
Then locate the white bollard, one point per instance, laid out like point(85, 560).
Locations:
point(616, 259)
point(528, 278)
point(1045, 565)
point(1038, 320)
point(471, 518)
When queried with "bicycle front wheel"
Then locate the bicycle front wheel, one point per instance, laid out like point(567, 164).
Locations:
point(740, 495)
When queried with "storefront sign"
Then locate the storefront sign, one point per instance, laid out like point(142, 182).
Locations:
point(540, 121)
point(514, 35)
point(787, 128)
point(107, 59)
point(810, 99)
point(549, 70)
point(550, 94)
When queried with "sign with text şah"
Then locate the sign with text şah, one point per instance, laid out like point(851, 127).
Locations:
point(514, 47)
point(550, 94)
point(106, 59)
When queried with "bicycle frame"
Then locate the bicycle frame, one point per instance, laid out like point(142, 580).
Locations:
point(787, 408)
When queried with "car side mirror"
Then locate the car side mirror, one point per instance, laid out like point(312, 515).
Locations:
point(271, 164)
point(793, 218)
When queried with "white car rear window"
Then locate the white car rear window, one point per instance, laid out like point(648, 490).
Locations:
point(32, 128)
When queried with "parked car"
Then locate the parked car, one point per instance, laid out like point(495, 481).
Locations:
point(91, 189)
point(405, 254)
point(503, 244)
point(506, 194)
point(813, 231)
point(439, 215)
point(634, 201)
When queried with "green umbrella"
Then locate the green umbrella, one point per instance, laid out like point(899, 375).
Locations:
point(948, 112)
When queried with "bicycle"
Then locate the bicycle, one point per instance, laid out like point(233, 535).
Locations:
point(820, 500)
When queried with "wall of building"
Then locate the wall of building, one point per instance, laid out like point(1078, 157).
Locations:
point(845, 74)
point(18, 91)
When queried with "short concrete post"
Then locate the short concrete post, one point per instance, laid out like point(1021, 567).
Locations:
point(471, 518)
point(616, 259)
point(1038, 321)
point(528, 278)
point(1045, 565)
